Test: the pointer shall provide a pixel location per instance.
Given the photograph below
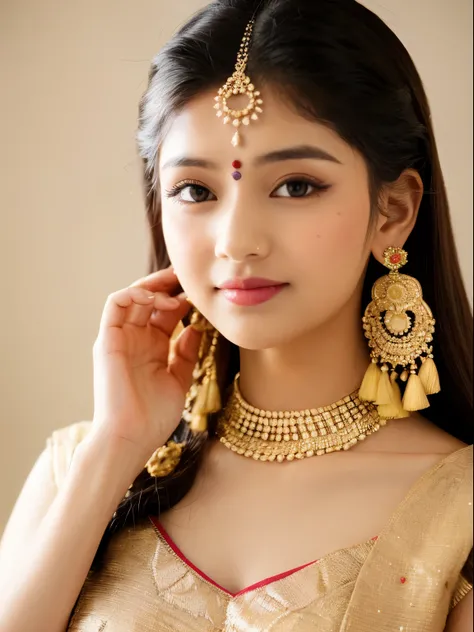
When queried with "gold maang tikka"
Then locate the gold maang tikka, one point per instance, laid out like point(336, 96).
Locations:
point(239, 84)
point(399, 326)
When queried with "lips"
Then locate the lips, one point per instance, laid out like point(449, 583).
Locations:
point(252, 291)
point(249, 284)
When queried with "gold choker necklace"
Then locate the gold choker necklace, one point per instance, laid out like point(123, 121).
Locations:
point(266, 435)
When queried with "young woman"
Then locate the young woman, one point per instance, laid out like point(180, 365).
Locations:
point(320, 476)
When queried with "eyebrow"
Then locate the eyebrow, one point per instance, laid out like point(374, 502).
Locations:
point(300, 152)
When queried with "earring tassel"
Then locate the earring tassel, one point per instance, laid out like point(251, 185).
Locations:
point(404, 376)
point(198, 422)
point(207, 401)
point(199, 414)
point(415, 396)
point(213, 400)
point(201, 398)
point(394, 410)
point(384, 390)
point(429, 377)
point(368, 388)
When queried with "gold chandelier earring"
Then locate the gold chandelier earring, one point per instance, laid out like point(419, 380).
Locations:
point(203, 397)
point(399, 326)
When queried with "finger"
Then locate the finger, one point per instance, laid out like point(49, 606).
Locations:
point(139, 315)
point(161, 280)
point(118, 303)
point(184, 356)
point(168, 320)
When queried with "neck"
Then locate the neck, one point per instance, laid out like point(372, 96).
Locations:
point(316, 369)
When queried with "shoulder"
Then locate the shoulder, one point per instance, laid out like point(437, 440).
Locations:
point(38, 491)
point(416, 435)
point(61, 445)
point(73, 434)
point(425, 433)
point(451, 457)
point(451, 453)
point(444, 489)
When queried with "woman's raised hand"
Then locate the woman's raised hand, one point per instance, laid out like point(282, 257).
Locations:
point(139, 386)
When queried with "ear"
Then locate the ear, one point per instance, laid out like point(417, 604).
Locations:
point(399, 204)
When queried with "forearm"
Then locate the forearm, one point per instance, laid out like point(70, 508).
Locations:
point(41, 590)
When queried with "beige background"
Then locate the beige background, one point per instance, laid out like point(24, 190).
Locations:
point(72, 221)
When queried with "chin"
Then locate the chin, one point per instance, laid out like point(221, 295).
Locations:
point(254, 337)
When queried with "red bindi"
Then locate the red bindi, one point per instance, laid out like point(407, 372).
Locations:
point(236, 164)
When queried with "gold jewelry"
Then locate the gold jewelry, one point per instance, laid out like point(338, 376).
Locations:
point(164, 460)
point(266, 435)
point(399, 326)
point(203, 397)
point(239, 83)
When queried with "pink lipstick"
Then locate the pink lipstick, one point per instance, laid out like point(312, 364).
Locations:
point(251, 291)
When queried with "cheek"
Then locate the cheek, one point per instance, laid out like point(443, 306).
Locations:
point(332, 253)
point(186, 244)
point(337, 234)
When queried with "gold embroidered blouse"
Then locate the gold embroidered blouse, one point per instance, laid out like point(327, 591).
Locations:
point(408, 578)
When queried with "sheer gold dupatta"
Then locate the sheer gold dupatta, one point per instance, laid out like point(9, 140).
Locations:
point(410, 576)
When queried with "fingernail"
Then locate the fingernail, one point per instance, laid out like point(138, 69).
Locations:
point(182, 295)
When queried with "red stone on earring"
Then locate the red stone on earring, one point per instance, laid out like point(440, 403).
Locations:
point(396, 258)
point(236, 164)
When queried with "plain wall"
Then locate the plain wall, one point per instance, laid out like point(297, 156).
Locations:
point(72, 219)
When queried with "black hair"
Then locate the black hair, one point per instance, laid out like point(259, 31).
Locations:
point(337, 63)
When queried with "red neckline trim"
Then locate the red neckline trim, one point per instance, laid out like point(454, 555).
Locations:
point(260, 584)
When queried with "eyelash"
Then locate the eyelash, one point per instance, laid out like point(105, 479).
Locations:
point(181, 186)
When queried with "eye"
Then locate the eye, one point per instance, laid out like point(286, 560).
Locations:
point(193, 192)
point(190, 192)
point(300, 188)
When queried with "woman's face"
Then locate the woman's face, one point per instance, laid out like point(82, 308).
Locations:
point(298, 216)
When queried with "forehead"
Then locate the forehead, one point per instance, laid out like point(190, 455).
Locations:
point(197, 131)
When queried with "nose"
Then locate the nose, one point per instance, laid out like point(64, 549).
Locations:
point(241, 235)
